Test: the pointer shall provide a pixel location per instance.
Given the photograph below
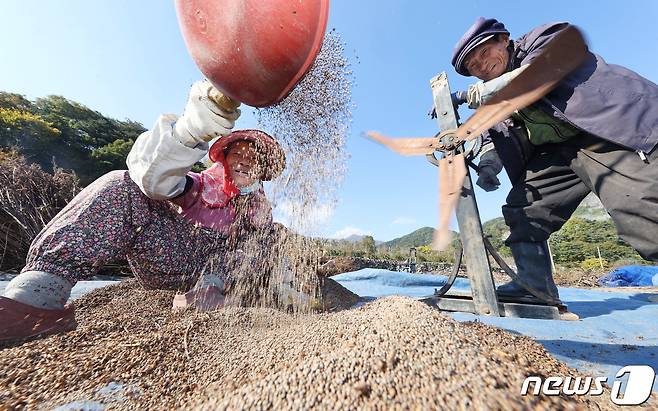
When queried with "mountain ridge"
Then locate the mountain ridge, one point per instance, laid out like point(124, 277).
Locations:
point(590, 209)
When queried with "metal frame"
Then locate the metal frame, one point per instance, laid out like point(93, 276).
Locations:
point(413, 260)
point(483, 299)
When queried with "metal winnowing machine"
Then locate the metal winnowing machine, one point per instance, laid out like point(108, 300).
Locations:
point(476, 248)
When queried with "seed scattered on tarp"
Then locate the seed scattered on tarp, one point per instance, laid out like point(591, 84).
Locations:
point(261, 358)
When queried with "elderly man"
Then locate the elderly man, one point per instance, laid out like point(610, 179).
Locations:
point(595, 132)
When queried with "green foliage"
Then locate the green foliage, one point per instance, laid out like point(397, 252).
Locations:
point(60, 131)
point(422, 236)
point(585, 230)
point(342, 248)
point(421, 239)
point(397, 249)
point(14, 101)
point(199, 167)
point(17, 125)
point(578, 243)
point(426, 253)
point(497, 231)
point(591, 264)
point(368, 244)
point(112, 156)
point(581, 239)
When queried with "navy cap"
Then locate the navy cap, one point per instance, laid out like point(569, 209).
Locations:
point(481, 31)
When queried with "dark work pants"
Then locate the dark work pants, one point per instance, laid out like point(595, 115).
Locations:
point(559, 176)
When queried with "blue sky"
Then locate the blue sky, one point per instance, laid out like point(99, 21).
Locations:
point(127, 59)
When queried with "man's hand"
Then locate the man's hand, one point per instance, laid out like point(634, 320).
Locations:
point(480, 92)
point(204, 119)
point(490, 166)
point(206, 298)
point(19, 321)
point(458, 98)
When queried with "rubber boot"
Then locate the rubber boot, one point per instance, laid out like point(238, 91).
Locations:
point(533, 264)
point(33, 304)
point(20, 321)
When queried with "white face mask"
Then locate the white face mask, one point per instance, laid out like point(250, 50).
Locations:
point(255, 186)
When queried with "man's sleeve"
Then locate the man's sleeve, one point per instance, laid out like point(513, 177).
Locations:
point(533, 43)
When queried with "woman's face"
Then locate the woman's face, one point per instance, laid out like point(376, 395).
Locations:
point(242, 163)
point(489, 60)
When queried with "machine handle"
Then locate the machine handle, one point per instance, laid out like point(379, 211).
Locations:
point(222, 100)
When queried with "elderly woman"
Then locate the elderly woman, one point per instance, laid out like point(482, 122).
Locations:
point(167, 221)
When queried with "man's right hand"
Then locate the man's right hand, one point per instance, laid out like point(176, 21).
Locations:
point(204, 119)
point(19, 321)
point(458, 98)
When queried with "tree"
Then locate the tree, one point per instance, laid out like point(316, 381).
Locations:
point(497, 231)
point(112, 156)
point(55, 130)
point(15, 101)
point(18, 125)
point(27, 133)
point(580, 239)
point(368, 244)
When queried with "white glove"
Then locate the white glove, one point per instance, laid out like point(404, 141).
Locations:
point(203, 119)
point(481, 91)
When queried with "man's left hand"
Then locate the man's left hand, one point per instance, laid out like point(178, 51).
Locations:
point(490, 166)
point(487, 180)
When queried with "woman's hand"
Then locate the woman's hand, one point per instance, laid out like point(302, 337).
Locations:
point(208, 114)
point(206, 298)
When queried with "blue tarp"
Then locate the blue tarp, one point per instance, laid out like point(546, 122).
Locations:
point(616, 328)
point(631, 276)
point(375, 283)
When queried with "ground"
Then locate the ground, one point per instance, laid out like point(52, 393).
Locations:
point(131, 350)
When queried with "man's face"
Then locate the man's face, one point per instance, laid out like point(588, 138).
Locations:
point(488, 60)
point(242, 162)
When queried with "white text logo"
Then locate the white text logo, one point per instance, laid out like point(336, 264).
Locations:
point(638, 386)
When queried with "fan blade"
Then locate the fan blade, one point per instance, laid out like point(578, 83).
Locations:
point(562, 55)
point(452, 171)
point(405, 146)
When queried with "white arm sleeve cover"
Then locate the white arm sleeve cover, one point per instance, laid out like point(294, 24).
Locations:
point(158, 161)
point(481, 91)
